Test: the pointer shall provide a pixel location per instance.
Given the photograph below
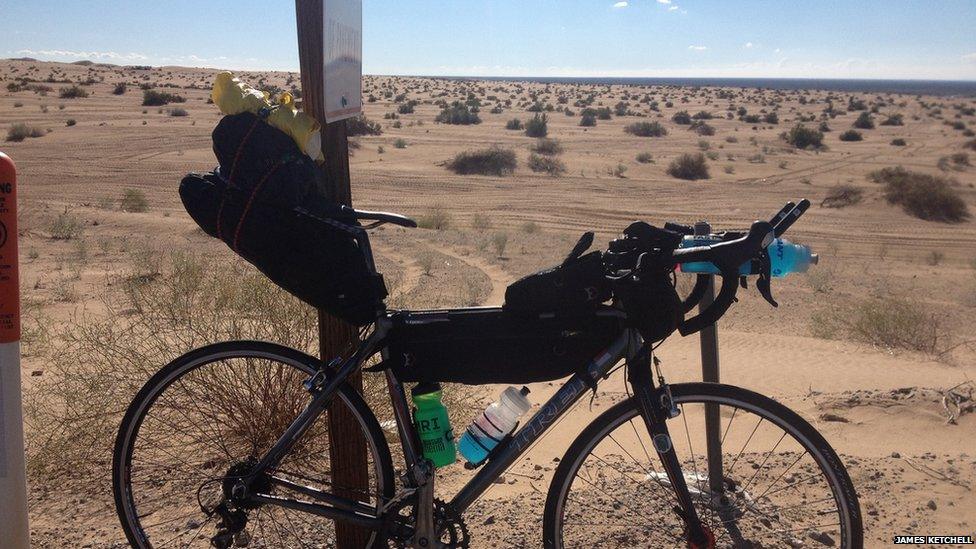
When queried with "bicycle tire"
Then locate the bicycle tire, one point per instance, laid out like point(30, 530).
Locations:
point(189, 362)
point(839, 481)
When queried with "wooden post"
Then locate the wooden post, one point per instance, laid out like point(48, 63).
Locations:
point(347, 447)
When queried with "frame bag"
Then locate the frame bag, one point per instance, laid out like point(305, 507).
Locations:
point(489, 345)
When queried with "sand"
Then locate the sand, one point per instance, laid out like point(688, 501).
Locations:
point(892, 434)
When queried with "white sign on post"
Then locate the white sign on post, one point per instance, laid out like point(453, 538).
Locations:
point(343, 56)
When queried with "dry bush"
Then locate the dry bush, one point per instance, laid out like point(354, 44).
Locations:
point(546, 164)
point(802, 137)
point(66, 226)
point(20, 132)
point(925, 196)
point(74, 410)
point(72, 92)
point(842, 195)
point(170, 305)
point(851, 135)
point(646, 129)
point(134, 200)
point(537, 126)
point(689, 166)
point(436, 218)
point(155, 98)
point(547, 147)
point(889, 322)
point(491, 161)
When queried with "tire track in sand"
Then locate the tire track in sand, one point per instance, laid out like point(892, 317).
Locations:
point(410, 280)
point(496, 275)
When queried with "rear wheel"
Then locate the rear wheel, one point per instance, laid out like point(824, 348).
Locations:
point(782, 485)
point(208, 416)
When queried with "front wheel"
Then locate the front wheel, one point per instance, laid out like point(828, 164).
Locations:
point(781, 485)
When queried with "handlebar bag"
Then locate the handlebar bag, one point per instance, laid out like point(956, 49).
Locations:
point(576, 286)
point(490, 345)
point(265, 203)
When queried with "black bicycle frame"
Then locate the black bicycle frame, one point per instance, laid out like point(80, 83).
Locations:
point(627, 346)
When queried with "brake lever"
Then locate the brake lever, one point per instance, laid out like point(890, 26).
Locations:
point(764, 282)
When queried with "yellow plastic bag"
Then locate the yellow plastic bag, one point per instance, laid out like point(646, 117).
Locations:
point(234, 97)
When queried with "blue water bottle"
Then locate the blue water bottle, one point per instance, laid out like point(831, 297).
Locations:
point(785, 257)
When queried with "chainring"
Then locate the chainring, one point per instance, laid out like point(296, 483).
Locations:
point(451, 530)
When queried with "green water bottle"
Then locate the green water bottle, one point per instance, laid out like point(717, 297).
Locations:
point(433, 425)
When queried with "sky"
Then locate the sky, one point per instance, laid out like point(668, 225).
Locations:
point(896, 39)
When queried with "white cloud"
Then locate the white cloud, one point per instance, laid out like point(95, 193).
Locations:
point(673, 8)
point(663, 1)
point(748, 45)
point(971, 57)
point(620, 5)
point(698, 48)
point(68, 54)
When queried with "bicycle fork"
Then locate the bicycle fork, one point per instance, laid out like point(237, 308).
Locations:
point(656, 407)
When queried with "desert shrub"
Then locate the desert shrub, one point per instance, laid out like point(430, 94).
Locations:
point(646, 129)
point(181, 302)
point(72, 92)
point(20, 132)
point(406, 108)
point(681, 117)
point(498, 242)
point(70, 122)
point(179, 112)
point(537, 126)
point(851, 135)
point(960, 159)
point(436, 218)
point(893, 120)
point(702, 128)
point(120, 88)
point(66, 226)
point(360, 125)
point(889, 322)
point(513, 124)
point(588, 120)
point(803, 137)
point(864, 121)
point(771, 118)
point(546, 164)
point(689, 166)
point(751, 119)
point(458, 113)
point(925, 196)
point(400, 143)
point(840, 196)
point(645, 158)
point(824, 126)
point(971, 144)
point(491, 161)
point(155, 98)
point(134, 200)
point(898, 142)
point(547, 147)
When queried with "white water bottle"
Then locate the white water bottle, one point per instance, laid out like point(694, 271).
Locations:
point(491, 426)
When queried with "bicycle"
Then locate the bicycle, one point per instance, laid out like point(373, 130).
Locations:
point(194, 466)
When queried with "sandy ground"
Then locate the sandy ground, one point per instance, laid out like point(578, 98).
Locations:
point(880, 408)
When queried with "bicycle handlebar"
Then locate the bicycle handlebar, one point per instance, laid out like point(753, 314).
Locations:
point(727, 256)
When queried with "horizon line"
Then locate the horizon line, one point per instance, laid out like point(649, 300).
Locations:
point(520, 77)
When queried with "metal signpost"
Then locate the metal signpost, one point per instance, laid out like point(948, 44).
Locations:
point(710, 374)
point(330, 57)
point(14, 531)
